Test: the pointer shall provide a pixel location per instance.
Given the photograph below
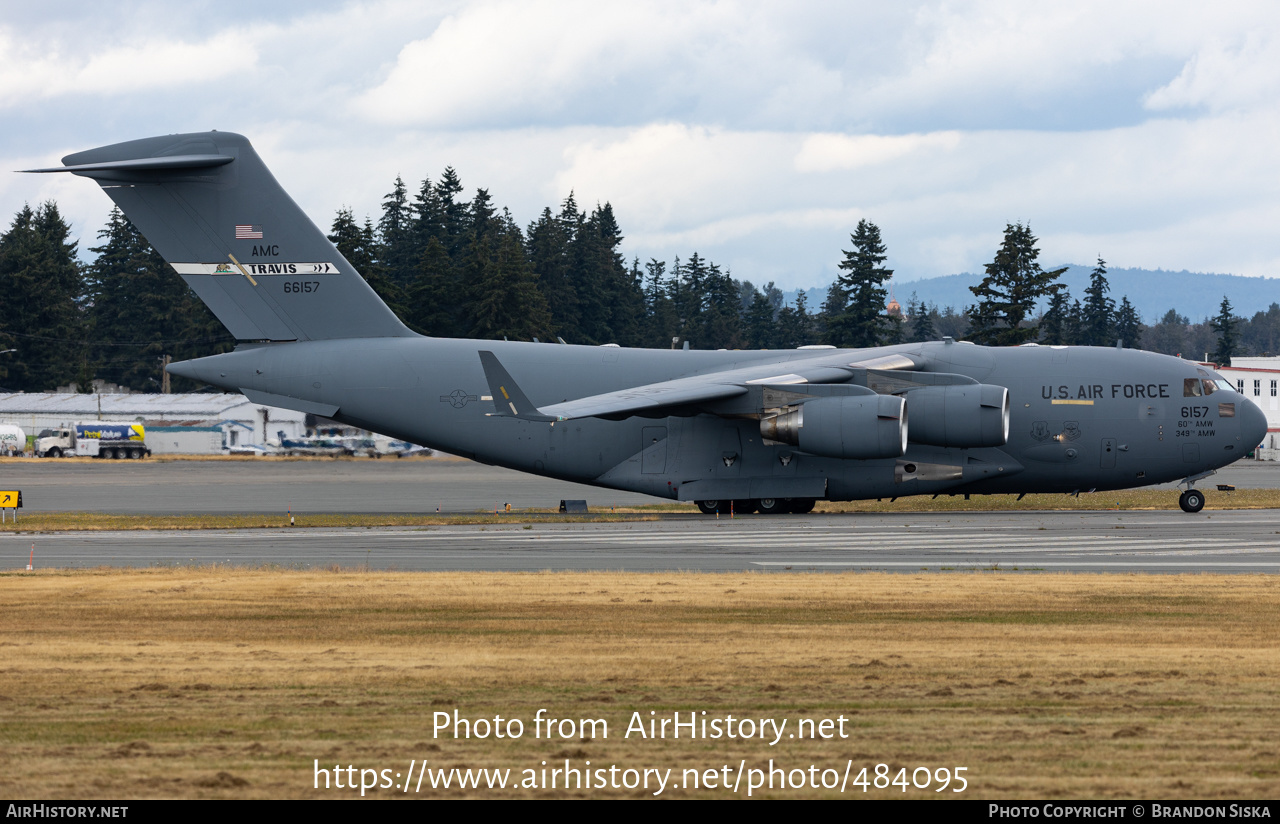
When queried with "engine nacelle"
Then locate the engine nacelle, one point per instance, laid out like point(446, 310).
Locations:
point(966, 416)
point(859, 426)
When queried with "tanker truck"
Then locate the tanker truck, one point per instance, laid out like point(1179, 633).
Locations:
point(13, 440)
point(94, 439)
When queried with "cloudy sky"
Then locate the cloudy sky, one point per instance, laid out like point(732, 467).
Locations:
point(757, 134)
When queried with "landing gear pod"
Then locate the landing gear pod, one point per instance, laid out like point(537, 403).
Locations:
point(961, 416)
point(862, 426)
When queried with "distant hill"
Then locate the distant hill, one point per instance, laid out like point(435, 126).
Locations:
point(1152, 292)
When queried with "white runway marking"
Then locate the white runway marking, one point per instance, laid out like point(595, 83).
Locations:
point(1030, 564)
point(852, 542)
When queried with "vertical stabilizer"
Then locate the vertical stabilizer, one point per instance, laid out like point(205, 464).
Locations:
point(217, 215)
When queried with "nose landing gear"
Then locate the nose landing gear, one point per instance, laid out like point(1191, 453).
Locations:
point(1191, 500)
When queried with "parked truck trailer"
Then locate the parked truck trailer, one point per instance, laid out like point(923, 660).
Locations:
point(13, 440)
point(94, 439)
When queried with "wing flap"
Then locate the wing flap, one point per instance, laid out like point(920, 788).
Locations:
point(680, 392)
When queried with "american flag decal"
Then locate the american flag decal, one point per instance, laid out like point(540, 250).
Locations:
point(245, 231)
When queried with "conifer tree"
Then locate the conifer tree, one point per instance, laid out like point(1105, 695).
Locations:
point(1008, 294)
point(358, 244)
point(505, 301)
point(1074, 324)
point(689, 296)
point(1225, 327)
point(1128, 325)
point(434, 296)
point(721, 316)
point(549, 255)
point(140, 310)
point(43, 319)
point(1056, 322)
point(621, 302)
point(855, 313)
point(758, 325)
point(1099, 311)
point(795, 326)
point(396, 250)
point(922, 326)
point(1169, 336)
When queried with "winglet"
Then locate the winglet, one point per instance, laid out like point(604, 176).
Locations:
point(508, 399)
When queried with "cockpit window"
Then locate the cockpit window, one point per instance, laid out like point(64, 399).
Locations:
point(1226, 410)
point(1198, 387)
point(1225, 385)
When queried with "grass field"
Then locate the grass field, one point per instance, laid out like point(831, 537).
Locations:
point(228, 682)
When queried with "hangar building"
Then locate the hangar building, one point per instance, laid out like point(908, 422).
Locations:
point(236, 419)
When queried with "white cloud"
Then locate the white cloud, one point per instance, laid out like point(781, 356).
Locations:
point(39, 70)
point(757, 134)
point(831, 152)
point(1220, 77)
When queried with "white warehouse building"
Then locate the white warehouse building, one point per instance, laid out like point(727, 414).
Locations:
point(241, 420)
point(1258, 379)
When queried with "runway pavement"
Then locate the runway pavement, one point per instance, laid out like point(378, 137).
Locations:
point(354, 486)
point(1165, 542)
point(1103, 541)
point(383, 486)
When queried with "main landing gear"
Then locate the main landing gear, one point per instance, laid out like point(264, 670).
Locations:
point(1191, 501)
point(765, 506)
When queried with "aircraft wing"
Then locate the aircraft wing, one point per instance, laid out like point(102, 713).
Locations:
point(705, 388)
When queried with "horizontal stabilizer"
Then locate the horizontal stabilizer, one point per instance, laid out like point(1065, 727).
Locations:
point(508, 399)
point(144, 164)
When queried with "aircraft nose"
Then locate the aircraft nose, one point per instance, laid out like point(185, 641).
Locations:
point(1253, 424)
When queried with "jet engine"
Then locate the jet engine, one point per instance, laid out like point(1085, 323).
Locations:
point(965, 416)
point(859, 426)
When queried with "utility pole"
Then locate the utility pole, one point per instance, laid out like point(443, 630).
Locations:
point(164, 374)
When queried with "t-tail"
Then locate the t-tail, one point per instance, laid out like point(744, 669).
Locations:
point(210, 207)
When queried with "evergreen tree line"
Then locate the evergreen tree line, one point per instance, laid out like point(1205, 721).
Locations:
point(463, 268)
point(115, 318)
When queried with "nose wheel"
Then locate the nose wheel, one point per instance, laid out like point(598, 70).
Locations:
point(1191, 501)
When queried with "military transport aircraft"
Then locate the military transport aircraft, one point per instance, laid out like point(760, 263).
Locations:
point(765, 431)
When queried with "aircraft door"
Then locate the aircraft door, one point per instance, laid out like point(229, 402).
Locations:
point(1108, 453)
point(653, 445)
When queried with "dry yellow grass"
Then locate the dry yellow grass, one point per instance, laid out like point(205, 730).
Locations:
point(221, 682)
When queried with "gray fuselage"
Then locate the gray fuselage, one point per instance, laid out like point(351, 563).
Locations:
point(1082, 418)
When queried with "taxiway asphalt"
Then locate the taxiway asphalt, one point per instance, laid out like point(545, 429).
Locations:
point(1244, 541)
point(1098, 541)
point(415, 485)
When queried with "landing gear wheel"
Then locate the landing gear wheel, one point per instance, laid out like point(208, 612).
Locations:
point(709, 507)
point(1191, 501)
point(771, 506)
point(802, 506)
